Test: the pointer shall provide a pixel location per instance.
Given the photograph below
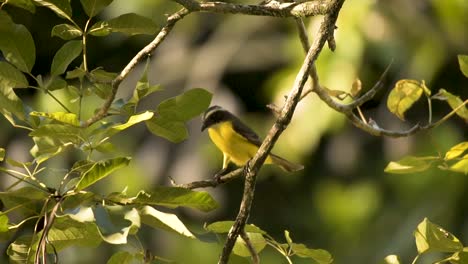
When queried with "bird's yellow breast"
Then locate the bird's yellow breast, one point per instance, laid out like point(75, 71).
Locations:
point(231, 143)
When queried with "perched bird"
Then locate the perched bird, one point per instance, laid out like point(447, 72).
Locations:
point(237, 141)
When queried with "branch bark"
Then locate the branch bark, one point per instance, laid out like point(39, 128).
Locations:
point(148, 49)
point(253, 166)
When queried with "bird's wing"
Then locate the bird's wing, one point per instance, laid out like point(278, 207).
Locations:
point(246, 132)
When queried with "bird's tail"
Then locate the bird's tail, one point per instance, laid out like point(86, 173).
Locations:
point(285, 164)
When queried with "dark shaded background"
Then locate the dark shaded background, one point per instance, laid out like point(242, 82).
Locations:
point(342, 201)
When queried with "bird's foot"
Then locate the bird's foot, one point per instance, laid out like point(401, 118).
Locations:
point(218, 175)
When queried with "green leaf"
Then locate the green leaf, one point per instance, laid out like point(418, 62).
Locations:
point(25, 198)
point(101, 75)
point(170, 129)
point(47, 147)
point(173, 112)
point(62, 117)
point(16, 43)
point(67, 231)
point(12, 107)
point(143, 87)
point(463, 61)
point(461, 166)
point(187, 105)
point(161, 220)
point(392, 259)
point(121, 257)
point(19, 249)
point(133, 120)
point(2, 154)
point(460, 257)
point(403, 96)
point(94, 7)
point(130, 24)
point(116, 222)
point(318, 255)
point(25, 4)
point(454, 102)
point(222, 227)
point(173, 197)
point(76, 73)
point(456, 150)
point(101, 170)
point(3, 223)
point(62, 132)
point(55, 82)
point(66, 31)
point(65, 55)
point(61, 7)
point(410, 164)
point(433, 238)
point(12, 77)
point(257, 241)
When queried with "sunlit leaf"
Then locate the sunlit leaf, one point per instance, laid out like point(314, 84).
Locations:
point(173, 197)
point(461, 166)
point(94, 7)
point(25, 4)
point(121, 257)
point(16, 43)
point(65, 55)
point(133, 120)
point(257, 241)
point(166, 221)
point(456, 150)
point(12, 77)
point(61, 7)
point(224, 227)
point(410, 164)
point(2, 154)
point(130, 24)
point(454, 102)
point(66, 31)
point(392, 259)
point(12, 107)
point(62, 117)
point(318, 255)
point(116, 222)
point(3, 222)
point(67, 231)
point(101, 170)
point(463, 61)
point(403, 96)
point(433, 238)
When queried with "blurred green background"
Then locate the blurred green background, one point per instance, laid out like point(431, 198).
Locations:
point(343, 201)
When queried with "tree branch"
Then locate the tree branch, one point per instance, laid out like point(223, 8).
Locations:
point(171, 21)
point(273, 9)
point(250, 247)
point(212, 182)
point(253, 166)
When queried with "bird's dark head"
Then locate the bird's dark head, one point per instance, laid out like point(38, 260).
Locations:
point(215, 115)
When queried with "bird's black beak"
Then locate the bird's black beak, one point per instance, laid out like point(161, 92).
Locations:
point(203, 127)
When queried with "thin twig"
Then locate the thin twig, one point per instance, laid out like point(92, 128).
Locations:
point(48, 222)
point(213, 182)
point(253, 166)
point(171, 21)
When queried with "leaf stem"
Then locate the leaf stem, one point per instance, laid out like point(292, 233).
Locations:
point(415, 259)
point(85, 33)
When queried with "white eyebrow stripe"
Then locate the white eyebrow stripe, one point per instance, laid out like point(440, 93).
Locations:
point(215, 109)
